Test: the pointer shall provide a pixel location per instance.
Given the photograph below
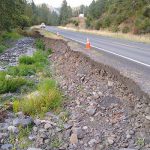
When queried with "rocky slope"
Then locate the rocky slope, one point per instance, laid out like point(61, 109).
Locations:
point(100, 112)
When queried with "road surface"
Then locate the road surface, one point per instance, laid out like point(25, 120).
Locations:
point(131, 51)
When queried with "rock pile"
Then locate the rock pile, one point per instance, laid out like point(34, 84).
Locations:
point(106, 112)
point(101, 113)
point(10, 57)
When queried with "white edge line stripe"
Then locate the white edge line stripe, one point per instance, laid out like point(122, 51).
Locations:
point(128, 58)
point(147, 65)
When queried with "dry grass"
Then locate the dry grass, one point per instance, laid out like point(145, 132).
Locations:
point(131, 37)
point(46, 33)
point(49, 34)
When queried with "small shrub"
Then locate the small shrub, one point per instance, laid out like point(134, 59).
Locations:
point(106, 22)
point(50, 51)
point(47, 98)
point(143, 25)
point(40, 44)
point(26, 60)
point(10, 84)
point(2, 48)
point(146, 11)
point(11, 35)
point(97, 25)
point(22, 70)
point(125, 30)
point(40, 56)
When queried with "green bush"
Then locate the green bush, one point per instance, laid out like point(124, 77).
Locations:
point(40, 44)
point(40, 56)
point(50, 51)
point(22, 70)
point(10, 84)
point(46, 98)
point(97, 25)
point(26, 60)
point(125, 30)
point(106, 22)
point(2, 48)
point(11, 35)
point(30, 65)
point(143, 25)
point(146, 11)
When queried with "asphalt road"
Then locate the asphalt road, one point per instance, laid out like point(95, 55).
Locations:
point(138, 53)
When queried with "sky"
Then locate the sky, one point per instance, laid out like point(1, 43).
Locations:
point(57, 3)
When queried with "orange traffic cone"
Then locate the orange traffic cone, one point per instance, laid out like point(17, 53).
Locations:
point(88, 45)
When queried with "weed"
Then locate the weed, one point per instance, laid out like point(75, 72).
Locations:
point(40, 44)
point(56, 143)
point(140, 142)
point(2, 48)
point(64, 116)
point(46, 98)
point(10, 84)
point(22, 70)
point(50, 51)
point(21, 137)
point(11, 35)
point(26, 60)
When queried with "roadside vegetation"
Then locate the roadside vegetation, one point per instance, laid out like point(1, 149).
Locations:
point(127, 16)
point(6, 37)
point(45, 96)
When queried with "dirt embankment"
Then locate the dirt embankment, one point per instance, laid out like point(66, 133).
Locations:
point(109, 110)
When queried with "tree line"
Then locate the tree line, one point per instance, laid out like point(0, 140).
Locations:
point(24, 13)
point(111, 14)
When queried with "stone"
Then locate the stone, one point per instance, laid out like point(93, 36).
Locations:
point(91, 111)
point(110, 140)
point(67, 126)
point(27, 121)
point(100, 147)
point(85, 128)
point(47, 141)
point(34, 149)
point(148, 118)
point(37, 122)
point(128, 136)
point(22, 122)
point(73, 138)
point(13, 129)
point(147, 110)
point(92, 142)
point(32, 137)
point(35, 129)
point(20, 114)
point(79, 132)
point(47, 126)
point(110, 83)
point(6, 147)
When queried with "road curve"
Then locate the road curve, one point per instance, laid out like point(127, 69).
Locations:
point(132, 51)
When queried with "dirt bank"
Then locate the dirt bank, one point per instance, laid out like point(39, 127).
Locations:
point(110, 111)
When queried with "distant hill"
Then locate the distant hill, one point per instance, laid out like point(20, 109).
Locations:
point(120, 15)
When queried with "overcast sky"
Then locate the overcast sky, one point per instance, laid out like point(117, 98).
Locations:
point(57, 3)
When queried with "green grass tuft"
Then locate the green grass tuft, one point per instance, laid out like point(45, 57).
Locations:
point(10, 84)
point(40, 44)
point(48, 97)
point(22, 70)
point(27, 60)
point(11, 36)
point(2, 48)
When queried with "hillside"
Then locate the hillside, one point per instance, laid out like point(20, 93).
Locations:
point(119, 15)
